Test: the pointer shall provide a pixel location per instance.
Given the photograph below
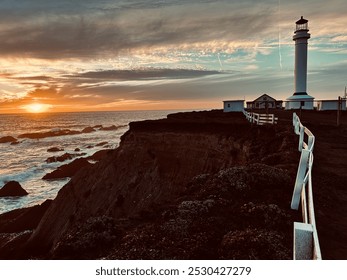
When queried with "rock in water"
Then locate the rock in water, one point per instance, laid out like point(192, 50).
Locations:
point(7, 139)
point(112, 127)
point(88, 130)
point(64, 157)
point(53, 133)
point(55, 149)
point(101, 144)
point(12, 188)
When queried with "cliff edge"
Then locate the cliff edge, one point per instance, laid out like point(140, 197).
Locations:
point(191, 186)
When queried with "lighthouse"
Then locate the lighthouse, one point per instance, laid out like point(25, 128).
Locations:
point(300, 98)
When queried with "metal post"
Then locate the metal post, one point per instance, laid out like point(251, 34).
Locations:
point(301, 109)
point(339, 103)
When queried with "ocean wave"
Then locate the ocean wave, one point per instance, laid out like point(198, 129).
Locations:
point(55, 132)
point(25, 162)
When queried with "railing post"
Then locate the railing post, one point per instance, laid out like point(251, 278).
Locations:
point(297, 128)
point(303, 241)
point(301, 137)
point(260, 119)
point(310, 142)
point(306, 244)
point(299, 181)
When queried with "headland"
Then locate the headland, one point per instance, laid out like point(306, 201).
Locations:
point(198, 185)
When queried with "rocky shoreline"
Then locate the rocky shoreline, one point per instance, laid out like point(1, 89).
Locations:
point(55, 133)
point(197, 185)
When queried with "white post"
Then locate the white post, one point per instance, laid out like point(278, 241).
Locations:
point(310, 142)
point(300, 176)
point(304, 205)
point(303, 241)
point(301, 138)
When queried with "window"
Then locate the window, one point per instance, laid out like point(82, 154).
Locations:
point(228, 105)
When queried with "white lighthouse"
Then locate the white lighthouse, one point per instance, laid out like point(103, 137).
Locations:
point(300, 98)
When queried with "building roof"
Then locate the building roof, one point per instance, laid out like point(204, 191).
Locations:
point(265, 95)
point(302, 20)
point(301, 97)
point(331, 100)
point(234, 100)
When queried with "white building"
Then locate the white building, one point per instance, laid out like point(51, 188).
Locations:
point(299, 101)
point(324, 105)
point(233, 105)
point(300, 98)
point(263, 102)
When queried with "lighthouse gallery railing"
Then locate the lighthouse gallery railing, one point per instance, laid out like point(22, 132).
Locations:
point(306, 243)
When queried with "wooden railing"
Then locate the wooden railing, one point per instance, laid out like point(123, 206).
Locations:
point(306, 243)
point(260, 119)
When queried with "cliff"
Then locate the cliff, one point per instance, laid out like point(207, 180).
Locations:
point(201, 182)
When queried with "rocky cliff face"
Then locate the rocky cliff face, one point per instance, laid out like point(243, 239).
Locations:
point(153, 167)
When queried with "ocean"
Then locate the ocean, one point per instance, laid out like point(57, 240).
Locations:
point(25, 162)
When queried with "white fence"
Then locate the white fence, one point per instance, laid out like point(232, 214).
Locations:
point(306, 243)
point(260, 119)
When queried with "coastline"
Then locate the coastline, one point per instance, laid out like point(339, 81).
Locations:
point(171, 177)
point(31, 159)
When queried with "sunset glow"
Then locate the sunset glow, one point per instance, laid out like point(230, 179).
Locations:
point(152, 55)
point(36, 108)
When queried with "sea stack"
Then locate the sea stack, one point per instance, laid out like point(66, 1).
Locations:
point(300, 99)
point(12, 188)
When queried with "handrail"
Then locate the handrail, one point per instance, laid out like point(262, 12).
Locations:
point(260, 119)
point(306, 243)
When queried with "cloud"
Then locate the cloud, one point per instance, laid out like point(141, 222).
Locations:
point(144, 74)
point(87, 29)
point(103, 53)
point(107, 88)
point(340, 39)
point(92, 31)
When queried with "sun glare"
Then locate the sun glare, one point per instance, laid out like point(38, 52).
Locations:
point(36, 108)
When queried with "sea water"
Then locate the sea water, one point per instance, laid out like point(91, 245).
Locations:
point(26, 162)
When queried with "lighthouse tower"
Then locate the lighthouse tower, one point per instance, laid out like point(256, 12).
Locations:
point(300, 98)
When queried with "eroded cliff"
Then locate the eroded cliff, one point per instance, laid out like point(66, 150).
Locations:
point(105, 210)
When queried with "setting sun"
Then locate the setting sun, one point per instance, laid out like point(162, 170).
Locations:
point(36, 108)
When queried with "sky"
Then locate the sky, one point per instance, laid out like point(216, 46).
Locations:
point(86, 55)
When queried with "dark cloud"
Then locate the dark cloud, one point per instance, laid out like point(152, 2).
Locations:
point(54, 31)
point(85, 28)
point(143, 74)
point(153, 84)
point(31, 78)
